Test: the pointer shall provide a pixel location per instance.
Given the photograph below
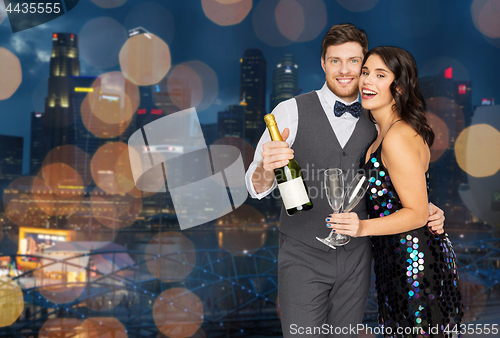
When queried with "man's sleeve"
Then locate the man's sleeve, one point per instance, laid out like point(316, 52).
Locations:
point(284, 114)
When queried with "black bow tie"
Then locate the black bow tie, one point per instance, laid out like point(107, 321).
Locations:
point(340, 109)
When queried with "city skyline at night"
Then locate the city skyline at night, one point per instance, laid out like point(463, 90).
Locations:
point(436, 37)
point(98, 173)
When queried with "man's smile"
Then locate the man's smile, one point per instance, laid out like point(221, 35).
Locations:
point(344, 80)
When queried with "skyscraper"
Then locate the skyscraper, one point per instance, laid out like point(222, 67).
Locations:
point(232, 121)
point(77, 133)
point(253, 92)
point(451, 101)
point(285, 80)
point(11, 162)
point(11, 157)
point(37, 145)
point(64, 63)
point(463, 97)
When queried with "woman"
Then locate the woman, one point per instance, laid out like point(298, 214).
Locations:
point(416, 276)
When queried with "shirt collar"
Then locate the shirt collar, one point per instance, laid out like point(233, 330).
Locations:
point(330, 97)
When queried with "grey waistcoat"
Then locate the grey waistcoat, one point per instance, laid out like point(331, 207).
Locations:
point(316, 148)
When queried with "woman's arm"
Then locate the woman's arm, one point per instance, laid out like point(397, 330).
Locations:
point(406, 158)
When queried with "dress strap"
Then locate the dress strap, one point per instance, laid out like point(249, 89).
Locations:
point(380, 145)
point(392, 125)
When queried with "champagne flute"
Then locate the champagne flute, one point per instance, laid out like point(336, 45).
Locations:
point(334, 188)
point(355, 193)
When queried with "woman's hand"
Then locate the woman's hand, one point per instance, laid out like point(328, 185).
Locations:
point(436, 219)
point(345, 224)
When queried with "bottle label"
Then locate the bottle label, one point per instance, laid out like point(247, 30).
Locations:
point(293, 193)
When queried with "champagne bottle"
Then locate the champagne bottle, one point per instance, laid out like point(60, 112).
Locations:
point(290, 181)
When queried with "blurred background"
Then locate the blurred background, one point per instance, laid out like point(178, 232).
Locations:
point(84, 253)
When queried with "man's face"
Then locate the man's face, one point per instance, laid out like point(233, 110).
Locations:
point(342, 66)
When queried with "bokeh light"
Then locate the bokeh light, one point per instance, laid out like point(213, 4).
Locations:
point(53, 204)
point(451, 114)
point(198, 334)
point(170, 256)
point(63, 180)
point(226, 13)
point(315, 19)
point(109, 87)
point(279, 23)
point(96, 126)
point(113, 99)
point(242, 231)
point(106, 327)
point(65, 328)
point(485, 14)
point(125, 178)
point(189, 84)
point(145, 59)
point(358, 5)
point(441, 136)
point(115, 211)
point(11, 301)
point(109, 3)
point(476, 150)
point(290, 19)
point(154, 18)
point(20, 203)
point(10, 73)
point(103, 167)
point(100, 41)
point(209, 83)
point(60, 282)
point(72, 156)
point(265, 25)
point(415, 20)
point(184, 83)
point(178, 313)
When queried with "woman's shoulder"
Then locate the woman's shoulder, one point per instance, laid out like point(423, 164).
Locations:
point(402, 137)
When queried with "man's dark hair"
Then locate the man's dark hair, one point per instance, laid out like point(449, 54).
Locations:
point(342, 33)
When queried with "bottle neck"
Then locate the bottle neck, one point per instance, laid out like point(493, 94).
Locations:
point(275, 133)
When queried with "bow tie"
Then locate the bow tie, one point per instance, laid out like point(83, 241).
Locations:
point(340, 109)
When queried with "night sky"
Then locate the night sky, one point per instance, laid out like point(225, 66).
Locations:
point(439, 34)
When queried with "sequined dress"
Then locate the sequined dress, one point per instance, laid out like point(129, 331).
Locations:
point(416, 275)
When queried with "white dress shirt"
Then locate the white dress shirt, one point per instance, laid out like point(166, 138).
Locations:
point(287, 116)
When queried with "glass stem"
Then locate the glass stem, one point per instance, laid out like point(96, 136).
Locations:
point(329, 238)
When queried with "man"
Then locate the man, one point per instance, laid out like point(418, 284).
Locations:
point(318, 285)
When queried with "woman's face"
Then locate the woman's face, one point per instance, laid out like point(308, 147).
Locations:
point(374, 84)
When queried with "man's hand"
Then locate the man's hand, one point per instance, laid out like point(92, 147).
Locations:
point(436, 219)
point(275, 154)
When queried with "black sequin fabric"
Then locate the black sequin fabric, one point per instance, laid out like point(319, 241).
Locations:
point(416, 276)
